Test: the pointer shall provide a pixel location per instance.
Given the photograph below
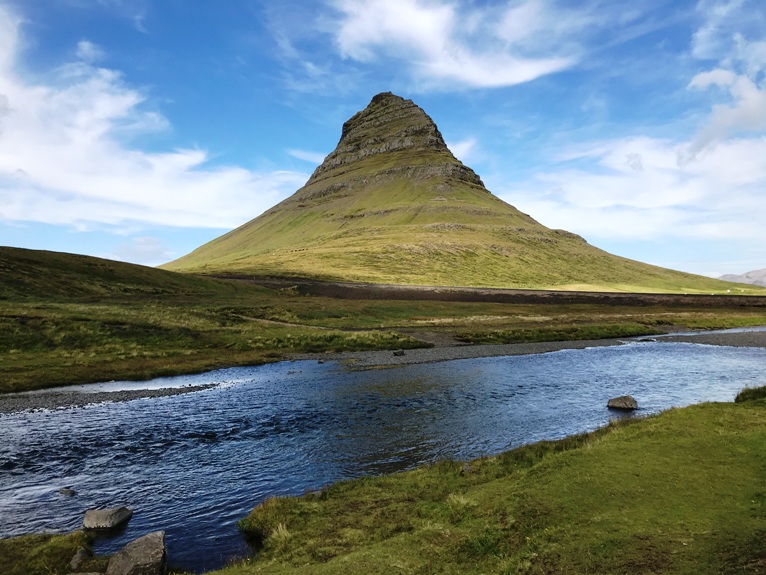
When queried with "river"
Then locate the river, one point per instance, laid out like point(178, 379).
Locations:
point(194, 464)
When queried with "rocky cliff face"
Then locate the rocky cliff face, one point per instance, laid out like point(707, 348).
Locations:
point(391, 127)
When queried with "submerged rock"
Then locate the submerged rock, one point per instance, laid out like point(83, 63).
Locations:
point(106, 518)
point(623, 402)
point(68, 491)
point(144, 556)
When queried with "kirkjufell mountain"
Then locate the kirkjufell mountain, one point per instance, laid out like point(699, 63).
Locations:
point(391, 204)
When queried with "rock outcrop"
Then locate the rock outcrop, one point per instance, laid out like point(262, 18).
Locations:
point(388, 125)
point(146, 555)
point(106, 518)
point(625, 402)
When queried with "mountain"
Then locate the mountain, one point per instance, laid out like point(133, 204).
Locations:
point(391, 204)
point(755, 277)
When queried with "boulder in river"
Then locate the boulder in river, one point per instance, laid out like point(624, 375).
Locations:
point(106, 518)
point(625, 402)
point(144, 556)
point(68, 491)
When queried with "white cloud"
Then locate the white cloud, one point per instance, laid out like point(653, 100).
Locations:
point(65, 156)
point(453, 42)
point(462, 149)
point(89, 52)
point(146, 249)
point(609, 198)
point(739, 75)
point(307, 156)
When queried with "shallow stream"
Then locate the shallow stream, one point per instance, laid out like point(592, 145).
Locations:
point(194, 464)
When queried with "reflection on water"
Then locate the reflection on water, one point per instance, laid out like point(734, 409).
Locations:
point(194, 464)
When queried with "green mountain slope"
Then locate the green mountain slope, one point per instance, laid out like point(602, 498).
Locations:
point(39, 274)
point(391, 204)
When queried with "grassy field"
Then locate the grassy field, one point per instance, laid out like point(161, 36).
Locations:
point(71, 319)
point(680, 493)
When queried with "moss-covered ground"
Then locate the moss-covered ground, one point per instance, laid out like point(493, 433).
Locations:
point(681, 493)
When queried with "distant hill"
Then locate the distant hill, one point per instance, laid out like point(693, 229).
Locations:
point(39, 274)
point(391, 204)
point(755, 277)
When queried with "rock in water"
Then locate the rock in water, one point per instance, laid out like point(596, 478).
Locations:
point(106, 518)
point(143, 556)
point(623, 402)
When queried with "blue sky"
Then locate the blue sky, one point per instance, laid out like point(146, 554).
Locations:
point(140, 129)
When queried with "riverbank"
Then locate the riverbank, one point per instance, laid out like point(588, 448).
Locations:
point(57, 399)
point(680, 492)
point(445, 349)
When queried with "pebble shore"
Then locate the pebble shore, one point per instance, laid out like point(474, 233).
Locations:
point(48, 400)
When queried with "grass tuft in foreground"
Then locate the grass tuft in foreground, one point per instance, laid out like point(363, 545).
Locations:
point(45, 554)
point(681, 492)
point(751, 394)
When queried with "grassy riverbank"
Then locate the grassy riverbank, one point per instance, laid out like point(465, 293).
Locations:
point(68, 319)
point(50, 343)
point(681, 492)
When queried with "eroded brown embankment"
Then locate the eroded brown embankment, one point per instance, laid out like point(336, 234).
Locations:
point(465, 294)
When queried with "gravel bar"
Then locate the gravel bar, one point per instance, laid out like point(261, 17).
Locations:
point(49, 400)
point(382, 359)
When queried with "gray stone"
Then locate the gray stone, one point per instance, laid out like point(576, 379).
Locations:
point(623, 402)
point(143, 556)
point(79, 558)
point(68, 491)
point(399, 352)
point(106, 518)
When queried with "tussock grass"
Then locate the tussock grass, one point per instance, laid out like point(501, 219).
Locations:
point(681, 492)
point(559, 333)
point(44, 554)
point(751, 394)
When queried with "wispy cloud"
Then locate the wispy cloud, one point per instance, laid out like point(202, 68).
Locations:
point(307, 156)
point(446, 42)
point(146, 249)
point(89, 52)
point(462, 149)
point(66, 155)
point(705, 185)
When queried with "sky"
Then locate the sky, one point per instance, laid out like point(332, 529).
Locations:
point(138, 130)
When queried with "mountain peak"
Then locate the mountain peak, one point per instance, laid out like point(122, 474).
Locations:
point(391, 204)
point(396, 128)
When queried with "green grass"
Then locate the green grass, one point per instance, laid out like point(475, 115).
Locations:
point(70, 319)
point(751, 394)
point(559, 333)
point(44, 554)
point(679, 493)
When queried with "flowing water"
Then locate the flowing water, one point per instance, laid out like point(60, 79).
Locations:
point(194, 464)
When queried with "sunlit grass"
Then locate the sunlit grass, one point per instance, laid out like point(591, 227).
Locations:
point(681, 492)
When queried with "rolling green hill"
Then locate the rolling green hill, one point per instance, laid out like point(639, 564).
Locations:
point(391, 204)
point(40, 274)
